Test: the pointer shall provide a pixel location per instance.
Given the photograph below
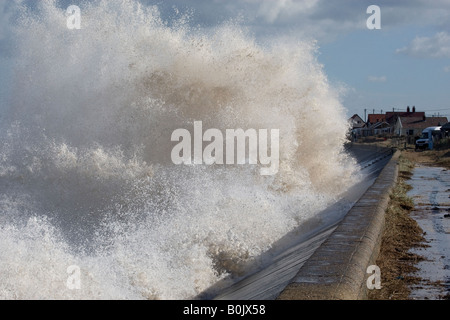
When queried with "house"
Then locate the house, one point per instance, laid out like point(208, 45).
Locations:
point(380, 128)
point(357, 124)
point(401, 123)
point(376, 125)
point(408, 123)
point(375, 118)
point(413, 126)
point(392, 117)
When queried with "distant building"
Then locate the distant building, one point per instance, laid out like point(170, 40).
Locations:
point(413, 126)
point(375, 118)
point(392, 117)
point(380, 128)
point(357, 124)
point(404, 123)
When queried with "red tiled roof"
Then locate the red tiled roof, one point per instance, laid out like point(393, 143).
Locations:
point(419, 123)
point(391, 115)
point(374, 118)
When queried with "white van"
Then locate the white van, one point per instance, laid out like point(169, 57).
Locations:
point(428, 137)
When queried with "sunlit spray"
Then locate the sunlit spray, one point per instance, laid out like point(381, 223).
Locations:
point(87, 177)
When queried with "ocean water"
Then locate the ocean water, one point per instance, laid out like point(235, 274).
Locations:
point(86, 177)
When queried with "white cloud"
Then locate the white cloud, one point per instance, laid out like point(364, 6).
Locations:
point(273, 10)
point(437, 46)
point(322, 20)
point(447, 69)
point(377, 79)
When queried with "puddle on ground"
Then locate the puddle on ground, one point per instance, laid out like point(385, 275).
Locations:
point(431, 194)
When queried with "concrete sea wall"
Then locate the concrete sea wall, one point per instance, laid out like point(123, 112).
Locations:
point(338, 268)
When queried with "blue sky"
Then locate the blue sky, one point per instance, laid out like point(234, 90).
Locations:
point(382, 78)
point(405, 63)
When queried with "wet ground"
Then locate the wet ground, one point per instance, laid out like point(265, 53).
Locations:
point(431, 195)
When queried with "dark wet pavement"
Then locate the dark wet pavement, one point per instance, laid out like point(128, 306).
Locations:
point(431, 194)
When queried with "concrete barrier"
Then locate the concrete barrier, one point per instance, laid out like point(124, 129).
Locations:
point(338, 268)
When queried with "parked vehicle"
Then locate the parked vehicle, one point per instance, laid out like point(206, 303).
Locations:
point(428, 138)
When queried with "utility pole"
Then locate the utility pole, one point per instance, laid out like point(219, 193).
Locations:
point(365, 115)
